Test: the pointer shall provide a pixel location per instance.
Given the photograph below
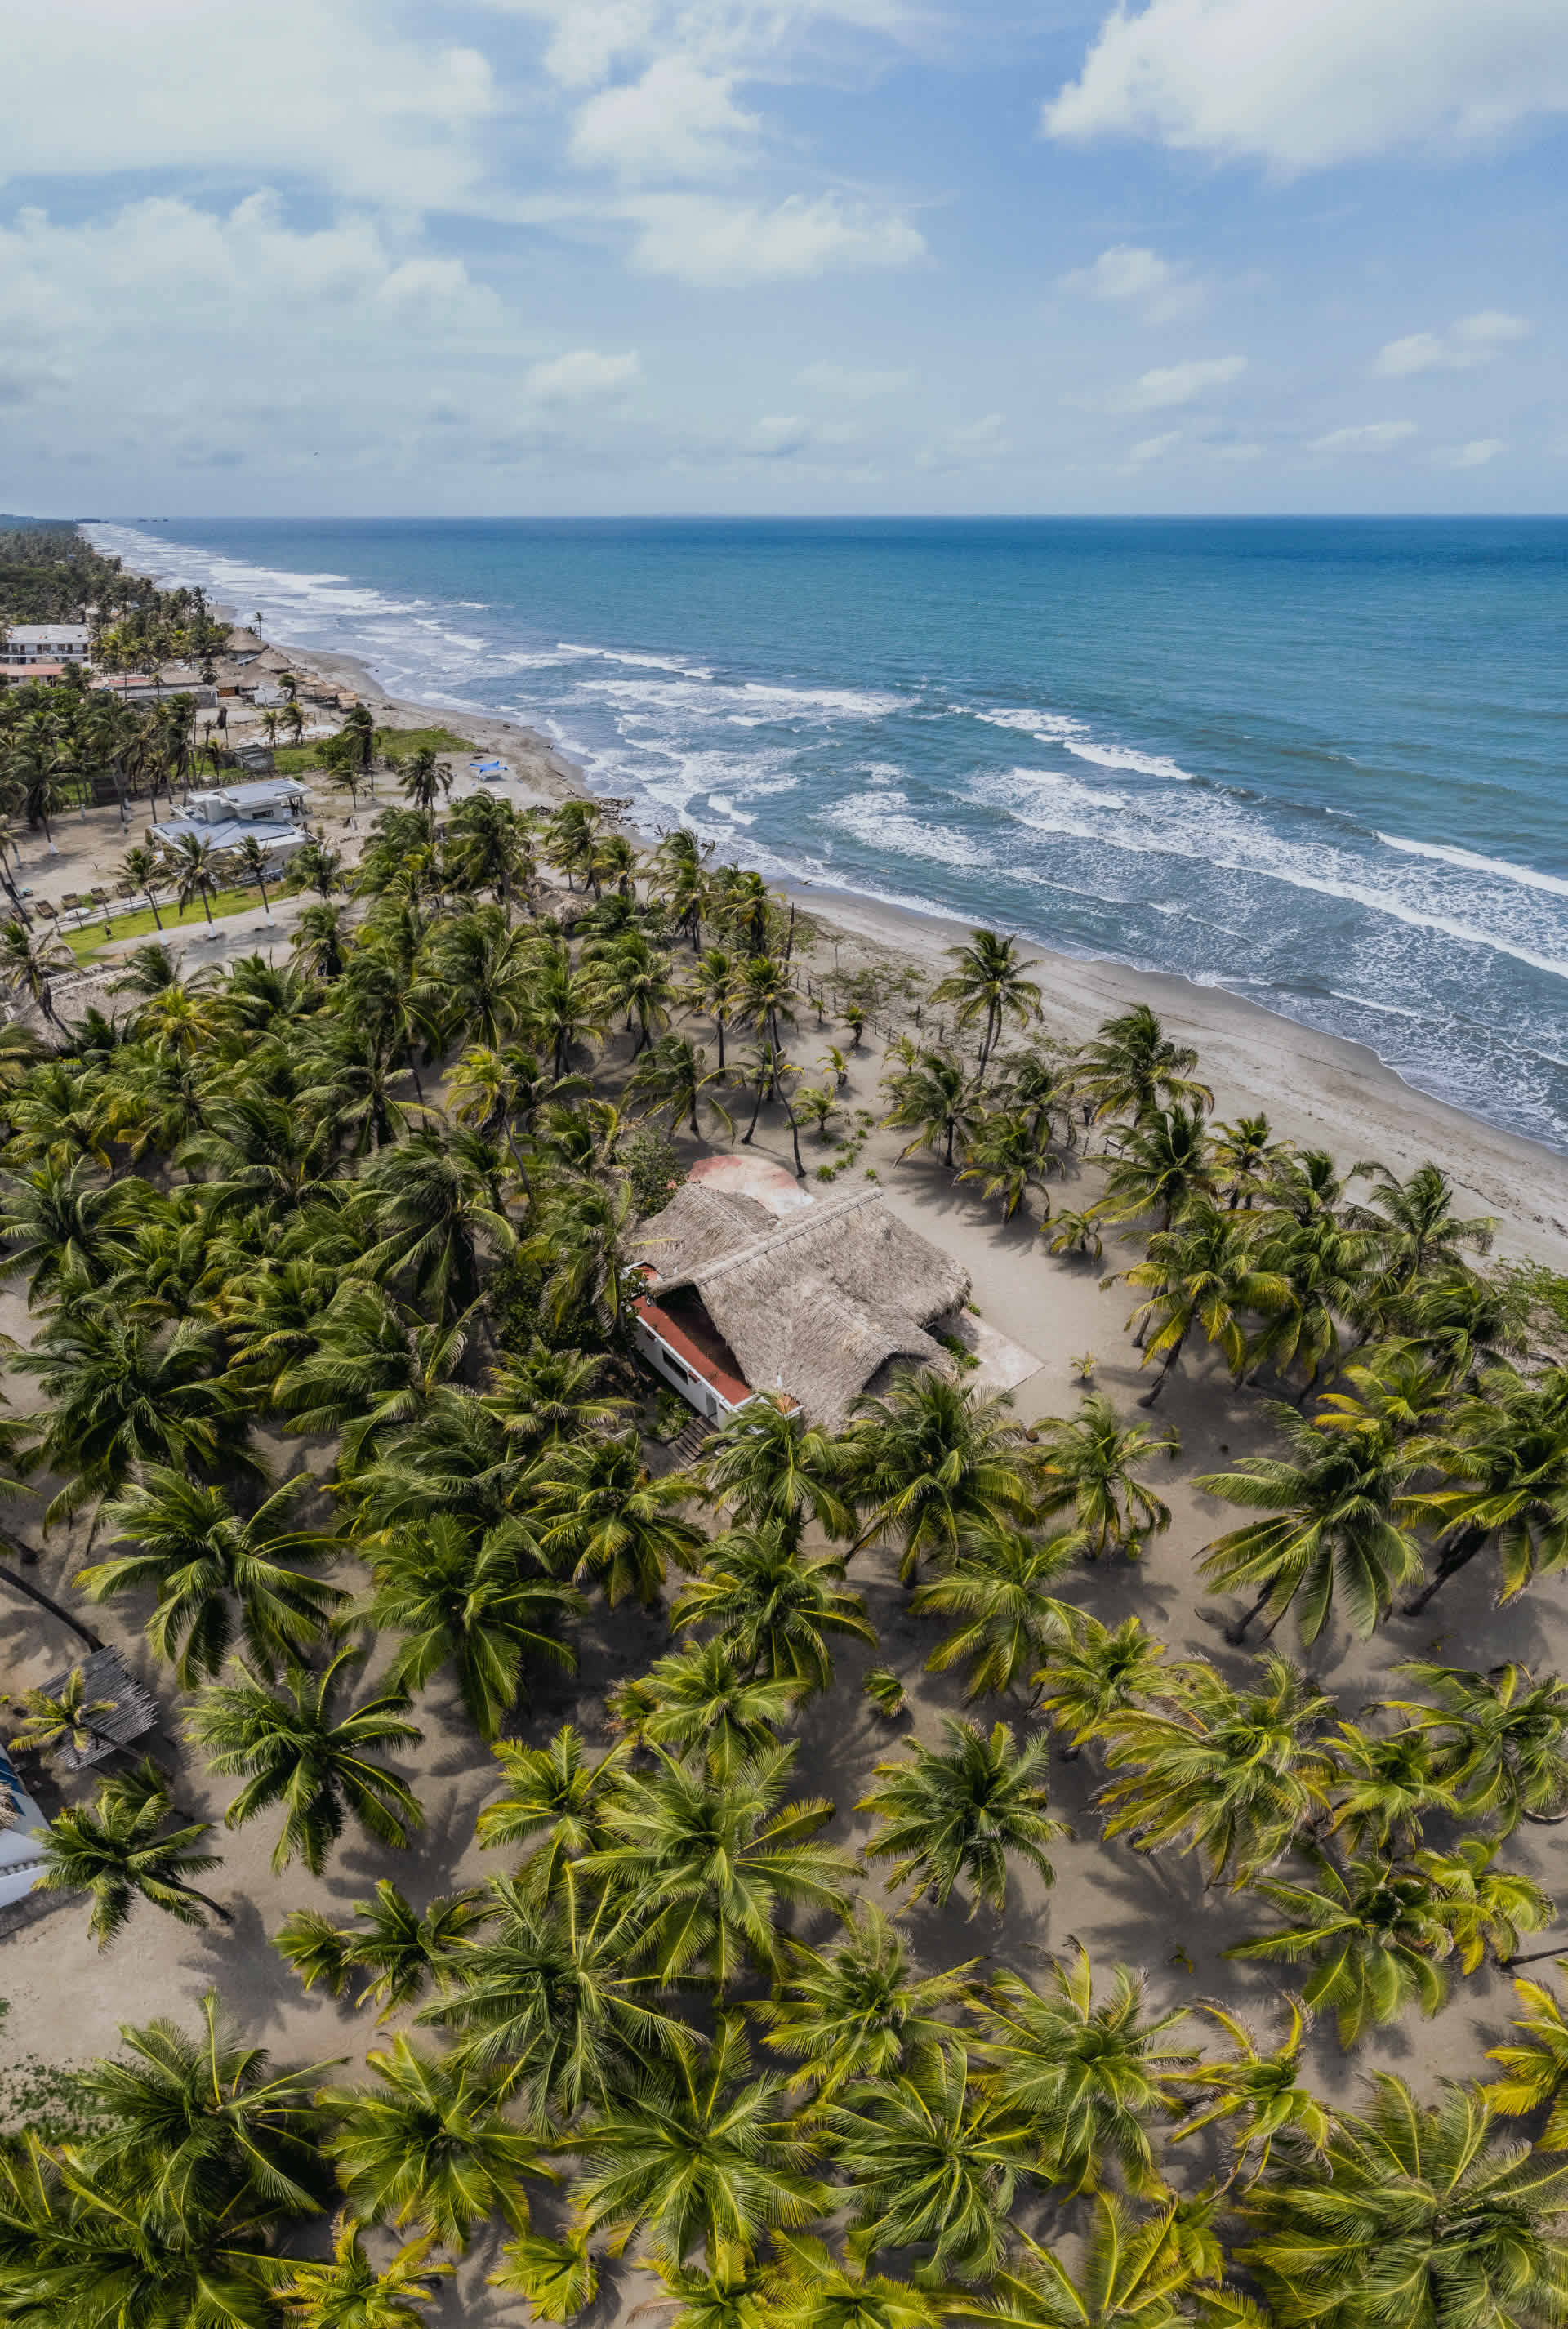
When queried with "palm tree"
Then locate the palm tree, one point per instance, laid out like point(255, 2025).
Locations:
point(1162, 1168)
point(556, 2277)
point(549, 2004)
point(679, 876)
point(699, 2155)
point(964, 1810)
point(1132, 1062)
point(293, 1748)
point(1335, 1527)
point(61, 1720)
point(715, 1860)
point(1506, 1450)
point(393, 1951)
point(1134, 2274)
point(1203, 1273)
point(116, 1849)
point(810, 2288)
point(555, 1799)
point(935, 1100)
point(1257, 2096)
point(204, 1561)
point(1096, 1673)
point(997, 1586)
point(600, 1509)
point(125, 1395)
point(674, 1078)
point(1091, 2077)
point(1008, 1154)
point(436, 1213)
point(1092, 1461)
point(1246, 1159)
point(66, 1227)
point(987, 982)
point(1328, 1269)
point(857, 2009)
point(476, 1603)
point(1486, 1908)
point(928, 1459)
point(431, 2144)
point(632, 974)
point(192, 867)
point(352, 2293)
point(703, 1702)
point(1500, 1739)
point(711, 989)
point(140, 870)
point(768, 1463)
point(1414, 2213)
point(1377, 1934)
point(30, 961)
point(1234, 1776)
point(197, 2126)
point(542, 1396)
point(1535, 2074)
point(254, 867)
point(933, 2162)
point(1415, 1223)
point(1384, 1786)
point(582, 1248)
point(775, 1606)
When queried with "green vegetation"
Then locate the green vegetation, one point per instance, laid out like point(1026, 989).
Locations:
point(88, 943)
point(385, 1197)
point(396, 746)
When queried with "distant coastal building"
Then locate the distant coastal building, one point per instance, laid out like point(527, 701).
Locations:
point(824, 1305)
point(30, 643)
point(272, 810)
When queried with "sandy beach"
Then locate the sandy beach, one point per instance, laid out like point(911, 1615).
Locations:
point(67, 2001)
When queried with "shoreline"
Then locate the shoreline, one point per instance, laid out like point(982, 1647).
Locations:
point(1320, 1089)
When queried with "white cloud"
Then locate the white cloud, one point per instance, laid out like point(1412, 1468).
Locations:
point(1371, 437)
point(1153, 448)
point(844, 379)
point(981, 440)
point(1473, 455)
point(1126, 271)
point(1473, 341)
point(676, 122)
point(721, 244)
point(779, 436)
point(582, 372)
point(1171, 384)
point(1300, 84)
point(1130, 274)
point(590, 40)
point(320, 92)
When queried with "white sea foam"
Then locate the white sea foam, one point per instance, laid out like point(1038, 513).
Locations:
point(1502, 868)
point(1049, 726)
point(1142, 764)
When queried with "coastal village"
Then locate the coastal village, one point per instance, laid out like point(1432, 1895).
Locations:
point(719, 1605)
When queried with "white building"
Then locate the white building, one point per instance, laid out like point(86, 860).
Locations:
point(47, 643)
point(271, 809)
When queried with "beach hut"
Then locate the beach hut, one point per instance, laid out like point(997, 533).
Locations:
point(823, 1305)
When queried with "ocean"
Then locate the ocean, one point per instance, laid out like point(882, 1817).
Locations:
point(1322, 764)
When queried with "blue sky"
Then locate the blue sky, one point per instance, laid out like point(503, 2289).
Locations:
point(610, 256)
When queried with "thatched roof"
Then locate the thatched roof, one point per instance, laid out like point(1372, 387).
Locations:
point(815, 1304)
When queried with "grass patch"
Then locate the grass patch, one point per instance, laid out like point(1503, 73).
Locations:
point(1544, 1291)
point(85, 943)
point(294, 759)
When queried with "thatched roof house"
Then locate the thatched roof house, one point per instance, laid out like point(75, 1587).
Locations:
point(819, 1304)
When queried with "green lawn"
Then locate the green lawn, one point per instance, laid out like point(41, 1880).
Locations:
point(295, 759)
point(88, 941)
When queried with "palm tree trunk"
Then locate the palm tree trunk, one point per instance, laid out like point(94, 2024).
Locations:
point(1236, 1634)
point(35, 1593)
point(1463, 1551)
point(206, 906)
point(157, 917)
point(794, 1134)
point(756, 1112)
point(1165, 1373)
point(217, 1908)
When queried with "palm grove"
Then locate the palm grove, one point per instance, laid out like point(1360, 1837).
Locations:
point(380, 1202)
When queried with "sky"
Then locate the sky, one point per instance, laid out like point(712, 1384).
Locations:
point(610, 256)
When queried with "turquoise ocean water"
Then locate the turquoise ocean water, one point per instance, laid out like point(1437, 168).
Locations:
point(1323, 764)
